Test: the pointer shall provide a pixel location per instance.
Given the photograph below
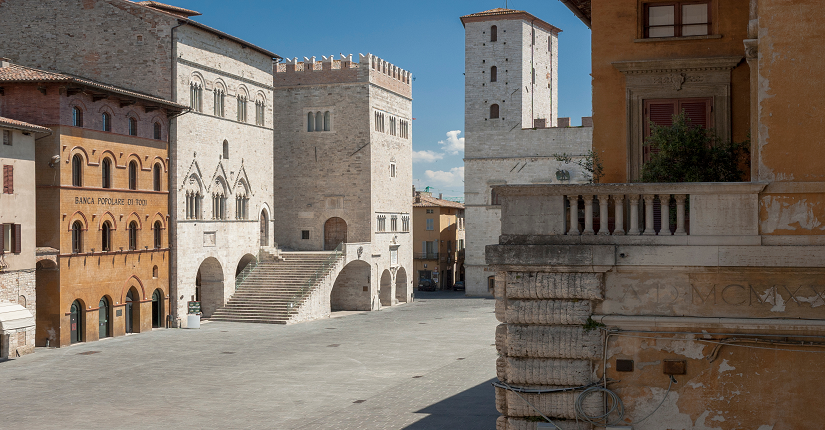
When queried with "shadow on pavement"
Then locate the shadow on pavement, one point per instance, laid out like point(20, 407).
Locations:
point(471, 409)
point(446, 294)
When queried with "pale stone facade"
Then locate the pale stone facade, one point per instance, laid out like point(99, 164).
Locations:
point(355, 165)
point(507, 149)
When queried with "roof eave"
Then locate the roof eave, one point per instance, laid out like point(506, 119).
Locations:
point(237, 40)
point(576, 11)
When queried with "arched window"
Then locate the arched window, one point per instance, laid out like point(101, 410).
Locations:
point(219, 99)
point(77, 170)
point(225, 150)
point(259, 112)
point(106, 173)
point(107, 121)
point(241, 107)
point(319, 121)
point(156, 175)
point(493, 33)
point(133, 171)
point(310, 121)
point(493, 74)
point(77, 117)
point(157, 131)
point(77, 237)
point(158, 230)
point(133, 237)
point(155, 272)
point(132, 126)
point(196, 96)
point(106, 237)
point(493, 111)
point(327, 119)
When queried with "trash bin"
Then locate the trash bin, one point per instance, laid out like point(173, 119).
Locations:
point(193, 321)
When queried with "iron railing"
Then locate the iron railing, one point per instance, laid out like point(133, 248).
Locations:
point(321, 272)
point(247, 270)
point(426, 255)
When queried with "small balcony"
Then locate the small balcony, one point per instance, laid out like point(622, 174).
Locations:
point(635, 213)
point(426, 255)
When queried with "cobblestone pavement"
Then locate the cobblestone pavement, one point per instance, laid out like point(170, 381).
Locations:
point(423, 365)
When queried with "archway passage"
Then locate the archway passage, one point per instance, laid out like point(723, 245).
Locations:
point(211, 289)
point(264, 229)
point(157, 308)
point(103, 318)
point(401, 285)
point(385, 293)
point(335, 232)
point(245, 261)
point(351, 290)
point(76, 322)
point(132, 311)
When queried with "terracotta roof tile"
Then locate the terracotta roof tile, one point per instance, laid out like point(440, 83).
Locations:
point(501, 13)
point(20, 125)
point(169, 8)
point(496, 11)
point(432, 202)
point(18, 73)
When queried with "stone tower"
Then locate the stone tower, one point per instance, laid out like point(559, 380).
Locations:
point(510, 122)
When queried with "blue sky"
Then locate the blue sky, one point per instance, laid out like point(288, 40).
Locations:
point(423, 36)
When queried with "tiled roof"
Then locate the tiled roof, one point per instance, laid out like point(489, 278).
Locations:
point(501, 13)
point(20, 125)
point(581, 8)
point(18, 73)
point(169, 8)
point(432, 202)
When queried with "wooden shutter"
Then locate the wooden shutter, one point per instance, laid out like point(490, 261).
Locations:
point(18, 238)
point(8, 179)
point(697, 111)
point(658, 112)
point(2, 239)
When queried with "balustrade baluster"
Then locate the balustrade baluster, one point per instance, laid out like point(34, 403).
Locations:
point(603, 228)
point(633, 229)
point(680, 214)
point(649, 229)
point(574, 215)
point(618, 202)
point(664, 202)
point(588, 215)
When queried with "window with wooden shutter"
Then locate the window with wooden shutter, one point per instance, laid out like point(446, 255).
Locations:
point(17, 238)
point(8, 179)
point(661, 112)
point(2, 239)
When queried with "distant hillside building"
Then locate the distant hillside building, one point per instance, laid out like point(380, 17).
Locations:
point(511, 123)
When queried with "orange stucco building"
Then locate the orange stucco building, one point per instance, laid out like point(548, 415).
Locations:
point(102, 204)
point(438, 237)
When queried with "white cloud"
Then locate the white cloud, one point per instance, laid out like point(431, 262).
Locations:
point(452, 178)
point(453, 144)
point(426, 156)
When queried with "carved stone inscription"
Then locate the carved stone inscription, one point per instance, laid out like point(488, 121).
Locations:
point(746, 295)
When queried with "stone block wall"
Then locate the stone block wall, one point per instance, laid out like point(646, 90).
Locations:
point(19, 287)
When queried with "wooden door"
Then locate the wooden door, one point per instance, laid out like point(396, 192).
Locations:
point(335, 232)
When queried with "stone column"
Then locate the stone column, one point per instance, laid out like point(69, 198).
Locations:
point(574, 215)
point(680, 214)
point(649, 230)
point(633, 228)
point(664, 200)
point(603, 227)
point(588, 215)
point(618, 202)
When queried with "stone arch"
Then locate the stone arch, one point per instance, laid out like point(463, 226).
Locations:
point(263, 219)
point(137, 218)
point(402, 285)
point(78, 216)
point(136, 158)
point(335, 232)
point(242, 92)
point(209, 286)
point(385, 290)
point(351, 290)
point(132, 284)
point(159, 217)
point(82, 151)
point(244, 261)
point(107, 216)
point(132, 315)
point(162, 162)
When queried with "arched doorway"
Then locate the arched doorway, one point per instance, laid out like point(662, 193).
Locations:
point(157, 308)
point(76, 322)
point(351, 290)
point(335, 232)
point(209, 286)
point(385, 293)
point(245, 260)
point(104, 316)
point(401, 287)
point(264, 229)
point(132, 311)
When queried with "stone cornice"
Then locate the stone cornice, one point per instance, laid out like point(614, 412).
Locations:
point(677, 65)
point(632, 188)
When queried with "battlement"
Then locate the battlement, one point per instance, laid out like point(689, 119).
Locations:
point(329, 70)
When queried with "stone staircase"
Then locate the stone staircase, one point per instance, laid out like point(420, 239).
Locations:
point(275, 289)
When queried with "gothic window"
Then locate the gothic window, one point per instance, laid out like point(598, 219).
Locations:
point(77, 170)
point(133, 172)
point(405, 223)
point(394, 223)
point(196, 96)
point(241, 108)
point(219, 96)
point(132, 126)
point(77, 237)
point(242, 207)
point(77, 117)
point(106, 121)
point(493, 111)
point(157, 178)
point(106, 173)
point(310, 121)
point(382, 223)
point(157, 131)
point(259, 112)
point(106, 237)
point(225, 150)
point(493, 74)
point(193, 205)
point(392, 169)
point(133, 236)
point(219, 205)
point(493, 33)
point(158, 233)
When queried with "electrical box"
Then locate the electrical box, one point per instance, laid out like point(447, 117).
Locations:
point(674, 367)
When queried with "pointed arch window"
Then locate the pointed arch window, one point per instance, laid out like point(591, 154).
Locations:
point(493, 74)
point(196, 96)
point(219, 96)
point(106, 120)
point(493, 111)
point(157, 131)
point(77, 237)
point(158, 234)
point(106, 237)
point(77, 170)
point(259, 112)
point(157, 178)
point(225, 150)
point(193, 205)
point(133, 172)
point(77, 117)
point(133, 236)
point(493, 33)
point(133, 125)
point(106, 173)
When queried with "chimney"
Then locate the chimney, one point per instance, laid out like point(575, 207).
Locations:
point(4, 62)
point(440, 195)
